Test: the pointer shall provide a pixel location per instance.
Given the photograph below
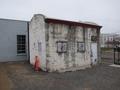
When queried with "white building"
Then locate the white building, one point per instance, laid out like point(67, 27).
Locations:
point(63, 45)
point(13, 40)
point(108, 39)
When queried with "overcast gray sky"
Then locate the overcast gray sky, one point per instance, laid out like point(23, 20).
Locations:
point(103, 12)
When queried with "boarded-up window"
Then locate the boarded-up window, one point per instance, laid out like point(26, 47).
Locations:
point(94, 38)
point(80, 46)
point(61, 46)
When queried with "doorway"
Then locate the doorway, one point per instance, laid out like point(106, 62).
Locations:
point(94, 53)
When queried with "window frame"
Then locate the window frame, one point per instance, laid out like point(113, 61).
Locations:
point(78, 47)
point(94, 38)
point(62, 43)
point(21, 45)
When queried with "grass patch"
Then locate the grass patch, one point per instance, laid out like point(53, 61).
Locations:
point(106, 49)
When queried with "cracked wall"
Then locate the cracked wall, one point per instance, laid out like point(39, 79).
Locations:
point(72, 59)
point(37, 43)
point(46, 39)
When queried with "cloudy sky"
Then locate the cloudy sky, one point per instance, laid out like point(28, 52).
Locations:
point(103, 12)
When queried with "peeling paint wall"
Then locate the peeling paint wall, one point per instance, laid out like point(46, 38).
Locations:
point(61, 47)
point(93, 45)
point(37, 40)
point(72, 59)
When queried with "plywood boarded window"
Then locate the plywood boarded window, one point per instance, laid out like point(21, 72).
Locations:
point(61, 46)
point(80, 46)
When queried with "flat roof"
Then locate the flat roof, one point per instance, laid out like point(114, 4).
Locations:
point(72, 23)
point(13, 20)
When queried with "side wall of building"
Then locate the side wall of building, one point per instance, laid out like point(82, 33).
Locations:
point(9, 29)
point(72, 59)
point(37, 40)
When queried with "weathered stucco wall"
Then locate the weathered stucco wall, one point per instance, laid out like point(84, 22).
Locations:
point(37, 40)
point(93, 45)
point(72, 59)
point(77, 51)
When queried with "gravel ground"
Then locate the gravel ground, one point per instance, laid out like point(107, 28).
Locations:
point(21, 76)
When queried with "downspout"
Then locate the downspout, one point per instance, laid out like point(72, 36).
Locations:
point(84, 40)
point(28, 42)
point(98, 46)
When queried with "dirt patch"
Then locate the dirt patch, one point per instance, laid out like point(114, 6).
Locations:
point(4, 80)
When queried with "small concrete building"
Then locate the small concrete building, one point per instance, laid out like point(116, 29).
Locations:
point(63, 45)
point(13, 40)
